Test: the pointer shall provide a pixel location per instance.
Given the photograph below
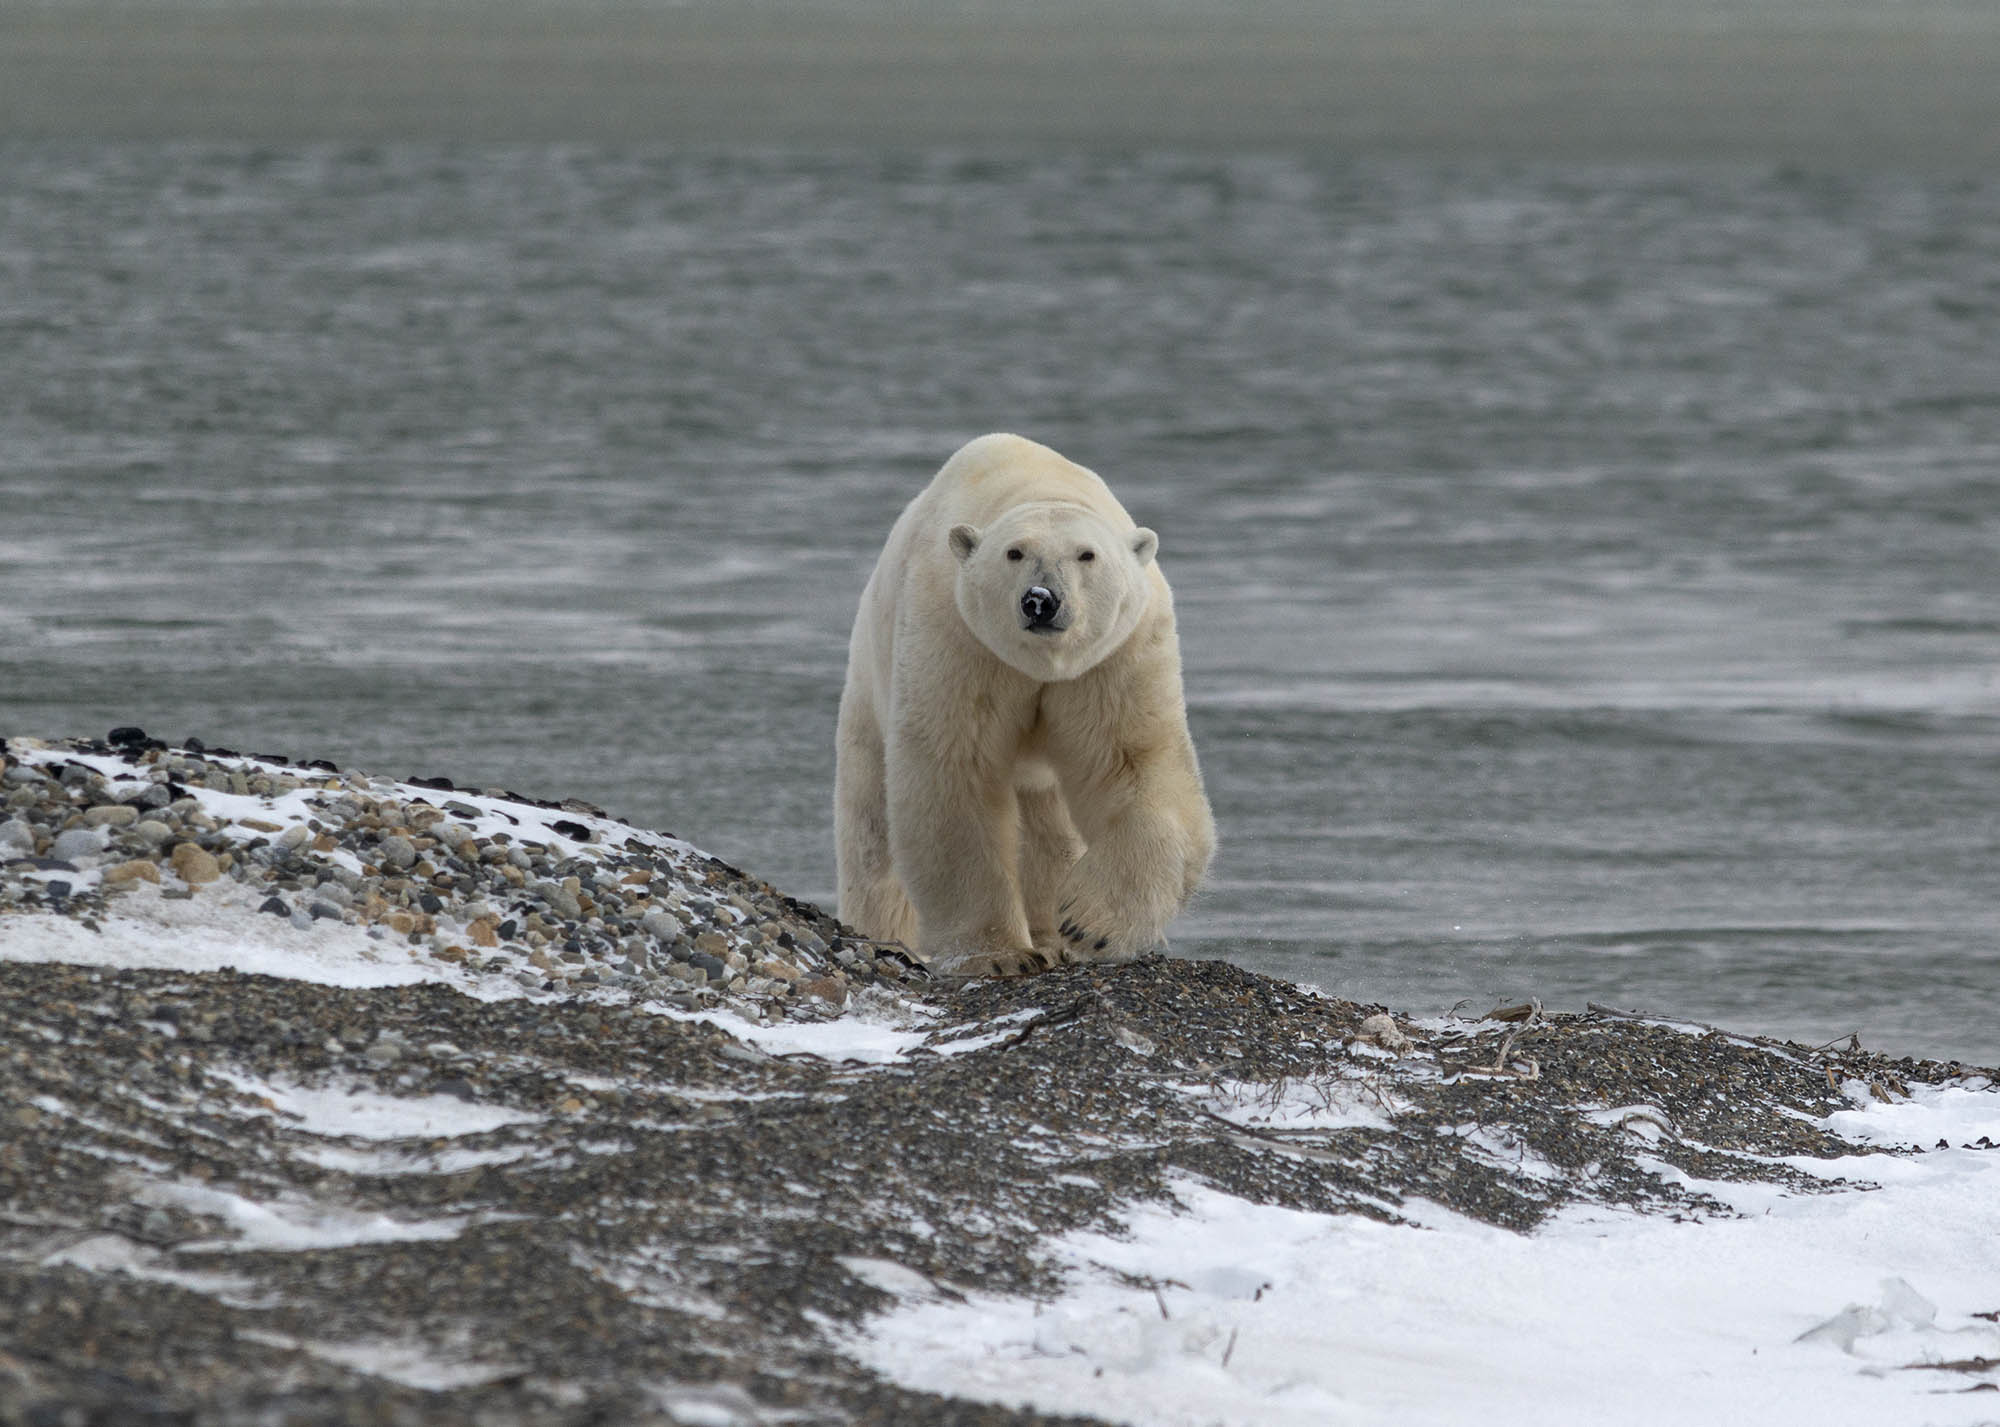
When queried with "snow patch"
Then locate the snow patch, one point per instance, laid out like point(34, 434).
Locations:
point(289, 1223)
point(355, 1111)
point(1215, 1312)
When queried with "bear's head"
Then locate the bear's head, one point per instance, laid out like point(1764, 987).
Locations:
point(1051, 588)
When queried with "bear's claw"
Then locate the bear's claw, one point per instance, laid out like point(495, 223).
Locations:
point(1081, 935)
point(1008, 963)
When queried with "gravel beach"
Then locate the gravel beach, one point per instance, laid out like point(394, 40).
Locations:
point(552, 896)
point(639, 1139)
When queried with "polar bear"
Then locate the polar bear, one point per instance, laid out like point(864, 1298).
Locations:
point(1015, 785)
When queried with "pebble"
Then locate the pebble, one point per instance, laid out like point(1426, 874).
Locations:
point(17, 838)
point(138, 870)
point(194, 864)
point(111, 815)
point(80, 842)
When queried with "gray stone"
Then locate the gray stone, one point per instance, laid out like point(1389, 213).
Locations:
point(397, 851)
point(333, 892)
point(152, 831)
point(80, 842)
point(561, 902)
point(17, 838)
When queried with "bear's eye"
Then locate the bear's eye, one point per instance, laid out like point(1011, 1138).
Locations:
point(1014, 554)
point(1088, 555)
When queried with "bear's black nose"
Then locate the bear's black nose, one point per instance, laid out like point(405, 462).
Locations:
point(1039, 606)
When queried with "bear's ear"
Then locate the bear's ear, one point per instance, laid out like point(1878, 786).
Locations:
point(1145, 545)
point(964, 539)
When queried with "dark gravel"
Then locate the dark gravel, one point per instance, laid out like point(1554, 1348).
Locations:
point(660, 1237)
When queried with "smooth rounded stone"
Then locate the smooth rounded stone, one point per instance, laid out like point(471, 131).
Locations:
point(152, 831)
point(111, 815)
point(301, 921)
point(139, 869)
point(194, 864)
point(661, 925)
point(334, 893)
point(22, 798)
point(17, 838)
point(294, 836)
point(80, 842)
point(23, 775)
point(75, 775)
point(276, 906)
point(560, 901)
point(713, 944)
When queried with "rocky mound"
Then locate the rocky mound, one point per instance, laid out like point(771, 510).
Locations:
point(542, 1119)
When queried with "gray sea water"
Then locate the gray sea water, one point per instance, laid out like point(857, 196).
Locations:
point(1587, 574)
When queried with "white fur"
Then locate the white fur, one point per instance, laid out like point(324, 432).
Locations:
point(1007, 798)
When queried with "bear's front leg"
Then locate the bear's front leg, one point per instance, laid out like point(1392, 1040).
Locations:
point(955, 841)
point(1149, 834)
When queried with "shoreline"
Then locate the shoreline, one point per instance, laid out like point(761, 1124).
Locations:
point(1919, 90)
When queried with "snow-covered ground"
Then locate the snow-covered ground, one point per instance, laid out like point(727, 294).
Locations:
point(1808, 1309)
point(1820, 1309)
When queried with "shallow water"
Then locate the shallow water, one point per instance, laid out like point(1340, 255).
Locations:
point(1586, 574)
